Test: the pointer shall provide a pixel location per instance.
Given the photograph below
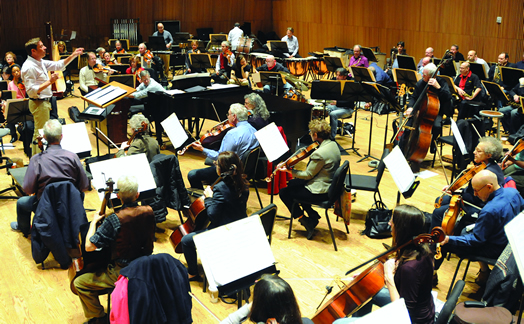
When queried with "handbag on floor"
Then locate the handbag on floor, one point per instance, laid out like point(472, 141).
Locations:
point(377, 220)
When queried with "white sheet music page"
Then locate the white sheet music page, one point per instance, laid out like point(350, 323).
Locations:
point(272, 142)
point(399, 169)
point(515, 232)
point(458, 137)
point(174, 130)
point(396, 310)
point(74, 138)
point(234, 251)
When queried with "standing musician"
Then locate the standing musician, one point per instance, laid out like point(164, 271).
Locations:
point(408, 274)
point(224, 64)
point(135, 68)
point(168, 38)
point(457, 56)
point(441, 89)
point(52, 165)
point(142, 143)
point(240, 140)
point(87, 76)
point(129, 233)
point(118, 48)
point(259, 114)
point(487, 238)
point(38, 82)
point(272, 66)
point(194, 50)
point(468, 86)
point(513, 117)
point(226, 202)
point(313, 183)
point(488, 151)
point(234, 35)
point(339, 108)
point(292, 43)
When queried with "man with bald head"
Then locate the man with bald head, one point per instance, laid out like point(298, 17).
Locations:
point(487, 238)
point(273, 66)
point(168, 38)
point(358, 59)
point(473, 58)
point(429, 53)
point(425, 61)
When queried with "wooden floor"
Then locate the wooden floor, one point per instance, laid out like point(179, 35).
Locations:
point(29, 294)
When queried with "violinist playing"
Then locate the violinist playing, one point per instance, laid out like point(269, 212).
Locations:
point(87, 77)
point(408, 274)
point(18, 86)
point(240, 140)
point(108, 60)
point(143, 52)
point(513, 167)
point(441, 89)
point(226, 202)
point(224, 64)
point(135, 68)
point(118, 48)
point(313, 183)
point(129, 233)
point(142, 142)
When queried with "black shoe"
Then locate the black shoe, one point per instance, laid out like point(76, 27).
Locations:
point(310, 225)
point(14, 138)
point(197, 278)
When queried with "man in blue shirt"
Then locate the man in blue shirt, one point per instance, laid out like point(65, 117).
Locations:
point(381, 77)
point(240, 140)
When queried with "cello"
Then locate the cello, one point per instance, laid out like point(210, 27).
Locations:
point(367, 284)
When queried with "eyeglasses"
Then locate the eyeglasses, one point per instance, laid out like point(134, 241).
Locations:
point(475, 191)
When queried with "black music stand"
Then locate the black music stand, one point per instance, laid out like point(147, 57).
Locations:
point(368, 53)
point(3, 85)
point(18, 112)
point(326, 90)
point(127, 79)
point(353, 91)
point(279, 48)
point(407, 77)
point(122, 68)
point(200, 61)
point(449, 68)
point(478, 69)
point(496, 93)
point(510, 76)
point(451, 85)
point(157, 43)
point(116, 56)
point(406, 62)
point(332, 64)
point(180, 37)
point(271, 79)
point(361, 74)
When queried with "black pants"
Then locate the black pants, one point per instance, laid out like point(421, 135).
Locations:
point(296, 189)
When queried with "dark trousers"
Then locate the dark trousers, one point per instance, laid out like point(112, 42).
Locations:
point(197, 176)
point(296, 189)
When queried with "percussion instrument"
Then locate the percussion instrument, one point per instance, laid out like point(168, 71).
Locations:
point(318, 66)
point(294, 94)
point(258, 59)
point(245, 44)
point(298, 66)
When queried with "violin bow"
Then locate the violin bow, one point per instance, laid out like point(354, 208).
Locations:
point(110, 141)
point(216, 112)
point(467, 203)
point(441, 163)
point(205, 307)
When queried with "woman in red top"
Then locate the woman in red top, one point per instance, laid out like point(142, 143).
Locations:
point(135, 68)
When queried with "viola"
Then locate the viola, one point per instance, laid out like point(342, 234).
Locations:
point(211, 137)
point(464, 177)
point(517, 148)
point(367, 284)
point(293, 160)
point(94, 260)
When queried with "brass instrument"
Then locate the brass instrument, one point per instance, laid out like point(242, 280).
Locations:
point(359, 58)
point(497, 76)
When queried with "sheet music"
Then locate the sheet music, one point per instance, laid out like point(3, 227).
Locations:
point(174, 130)
point(234, 251)
point(396, 310)
point(190, 76)
point(128, 165)
point(399, 169)
point(458, 137)
point(174, 92)
point(74, 138)
point(106, 95)
point(222, 86)
point(272, 142)
point(515, 232)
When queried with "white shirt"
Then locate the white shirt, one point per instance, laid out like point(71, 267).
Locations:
point(484, 64)
point(230, 63)
point(34, 73)
point(292, 45)
point(234, 36)
point(142, 90)
point(86, 78)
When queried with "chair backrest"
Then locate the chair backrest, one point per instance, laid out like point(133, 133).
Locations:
point(267, 217)
point(335, 189)
point(251, 162)
point(449, 306)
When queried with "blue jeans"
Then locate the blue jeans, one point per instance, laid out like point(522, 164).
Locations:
point(512, 120)
point(335, 113)
point(382, 298)
point(281, 88)
point(24, 206)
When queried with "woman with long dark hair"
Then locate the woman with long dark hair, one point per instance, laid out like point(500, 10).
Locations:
point(226, 202)
point(273, 302)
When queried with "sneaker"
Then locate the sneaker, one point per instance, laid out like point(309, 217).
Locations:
point(482, 278)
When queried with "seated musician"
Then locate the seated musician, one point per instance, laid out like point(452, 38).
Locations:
point(457, 56)
point(240, 72)
point(194, 50)
point(408, 274)
point(473, 58)
point(399, 50)
point(62, 48)
point(10, 58)
point(292, 43)
point(135, 68)
point(87, 76)
point(16, 85)
point(259, 114)
point(146, 55)
point(514, 167)
point(108, 60)
point(142, 143)
point(168, 38)
point(53, 164)
point(513, 117)
point(520, 64)
point(5, 75)
point(100, 53)
point(425, 61)
point(429, 53)
point(118, 48)
point(224, 64)
point(441, 89)
point(488, 151)
point(129, 233)
point(487, 238)
point(495, 74)
point(272, 66)
point(240, 140)
point(381, 77)
point(339, 108)
point(313, 183)
point(469, 88)
point(226, 202)
point(147, 85)
point(358, 59)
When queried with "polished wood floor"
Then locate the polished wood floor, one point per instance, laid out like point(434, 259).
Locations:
point(29, 294)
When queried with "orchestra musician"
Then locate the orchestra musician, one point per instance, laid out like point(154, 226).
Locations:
point(38, 82)
point(358, 59)
point(224, 64)
point(87, 76)
point(194, 50)
point(273, 299)
point(339, 108)
point(129, 233)
point(473, 58)
point(240, 140)
point(5, 75)
point(520, 64)
point(408, 274)
point(487, 238)
point(468, 86)
point(240, 71)
point(292, 43)
point(381, 77)
point(429, 53)
point(425, 61)
point(399, 50)
point(514, 167)
point(10, 58)
point(135, 68)
point(62, 47)
point(273, 66)
point(457, 56)
point(100, 53)
point(168, 38)
point(259, 114)
point(142, 143)
point(513, 117)
point(118, 48)
point(53, 164)
point(313, 183)
point(147, 84)
point(226, 202)
point(234, 35)
point(495, 74)
point(17, 85)
point(145, 54)
point(108, 60)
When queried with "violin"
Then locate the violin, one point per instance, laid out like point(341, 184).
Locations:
point(98, 68)
point(148, 57)
point(464, 177)
point(40, 143)
point(290, 162)
point(211, 137)
point(517, 148)
point(20, 86)
point(137, 131)
point(367, 284)
point(91, 261)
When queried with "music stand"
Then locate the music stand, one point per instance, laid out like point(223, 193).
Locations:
point(353, 91)
point(271, 79)
point(200, 61)
point(451, 84)
point(18, 111)
point(449, 68)
point(180, 37)
point(127, 79)
point(407, 77)
point(368, 53)
point(118, 56)
point(278, 48)
point(122, 68)
point(495, 92)
point(332, 64)
point(157, 42)
point(361, 74)
point(478, 69)
point(510, 76)
point(406, 62)
point(3, 85)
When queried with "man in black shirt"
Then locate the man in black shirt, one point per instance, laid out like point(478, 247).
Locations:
point(273, 66)
point(457, 56)
point(468, 86)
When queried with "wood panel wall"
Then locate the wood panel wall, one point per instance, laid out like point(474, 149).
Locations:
point(420, 24)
